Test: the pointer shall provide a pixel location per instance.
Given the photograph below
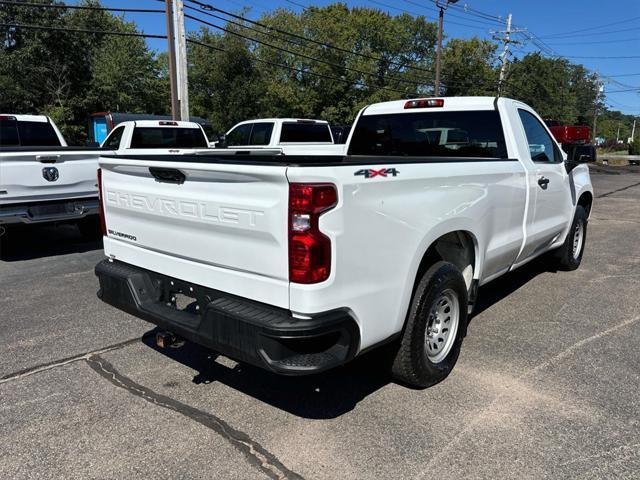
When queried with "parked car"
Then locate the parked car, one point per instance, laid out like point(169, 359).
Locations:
point(291, 136)
point(44, 180)
point(297, 264)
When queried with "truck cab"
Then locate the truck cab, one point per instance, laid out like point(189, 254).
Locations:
point(289, 135)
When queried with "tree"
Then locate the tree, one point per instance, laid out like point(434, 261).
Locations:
point(69, 75)
point(224, 83)
point(468, 67)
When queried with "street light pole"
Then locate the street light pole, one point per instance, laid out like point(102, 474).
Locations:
point(439, 46)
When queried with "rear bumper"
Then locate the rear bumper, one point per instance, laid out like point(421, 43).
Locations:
point(50, 211)
point(248, 331)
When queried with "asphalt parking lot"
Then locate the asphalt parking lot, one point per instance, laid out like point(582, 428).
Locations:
point(547, 385)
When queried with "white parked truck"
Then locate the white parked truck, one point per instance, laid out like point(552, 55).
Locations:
point(290, 136)
point(299, 263)
point(44, 180)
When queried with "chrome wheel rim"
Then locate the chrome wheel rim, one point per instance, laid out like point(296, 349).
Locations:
point(442, 326)
point(578, 239)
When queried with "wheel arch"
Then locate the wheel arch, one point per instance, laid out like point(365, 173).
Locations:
point(586, 201)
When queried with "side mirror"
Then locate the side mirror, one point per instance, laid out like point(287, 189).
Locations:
point(222, 141)
point(580, 154)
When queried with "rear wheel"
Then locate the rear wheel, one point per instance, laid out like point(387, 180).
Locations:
point(569, 255)
point(435, 327)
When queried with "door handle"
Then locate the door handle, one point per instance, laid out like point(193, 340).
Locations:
point(543, 182)
point(167, 175)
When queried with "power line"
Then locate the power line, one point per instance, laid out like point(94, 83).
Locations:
point(435, 10)
point(82, 30)
point(298, 44)
point(590, 34)
point(591, 28)
point(290, 52)
point(82, 7)
point(299, 70)
point(209, 7)
point(621, 40)
point(416, 14)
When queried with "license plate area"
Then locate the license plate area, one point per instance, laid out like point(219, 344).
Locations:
point(51, 209)
point(182, 297)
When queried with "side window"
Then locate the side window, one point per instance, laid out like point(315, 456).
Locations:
point(261, 133)
point(541, 146)
point(112, 142)
point(239, 135)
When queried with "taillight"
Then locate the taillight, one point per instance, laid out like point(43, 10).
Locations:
point(103, 223)
point(309, 248)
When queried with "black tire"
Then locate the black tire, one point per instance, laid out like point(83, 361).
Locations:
point(412, 364)
point(90, 227)
point(565, 256)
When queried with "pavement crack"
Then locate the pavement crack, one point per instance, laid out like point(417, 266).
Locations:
point(253, 451)
point(478, 417)
point(66, 361)
point(617, 190)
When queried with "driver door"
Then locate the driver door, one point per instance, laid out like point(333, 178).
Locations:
point(550, 193)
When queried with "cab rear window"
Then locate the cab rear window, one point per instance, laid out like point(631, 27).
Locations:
point(28, 134)
point(166, 137)
point(301, 132)
point(430, 134)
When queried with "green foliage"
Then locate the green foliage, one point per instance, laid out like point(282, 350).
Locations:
point(261, 77)
point(634, 148)
point(70, 75)
point(468, 67)
point(231, 78)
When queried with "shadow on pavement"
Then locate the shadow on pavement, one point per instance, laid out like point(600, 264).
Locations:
point(505, 285)
point(330, 394)
point(27, 242)
point(321, 396)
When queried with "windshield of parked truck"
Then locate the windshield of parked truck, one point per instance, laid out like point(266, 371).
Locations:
point(305, 132)
point(430, 134)
point(166, 137)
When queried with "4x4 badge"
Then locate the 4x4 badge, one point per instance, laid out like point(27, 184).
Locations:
point(382, 172)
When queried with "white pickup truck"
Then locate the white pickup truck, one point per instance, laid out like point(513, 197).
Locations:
point(289, 136)
point(299, 263)
point(44, 180)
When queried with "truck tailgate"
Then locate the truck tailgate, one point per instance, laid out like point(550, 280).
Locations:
point(223, 226)
point(47, 175)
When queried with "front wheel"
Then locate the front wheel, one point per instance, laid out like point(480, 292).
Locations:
point(569, 255)
point(435, 327)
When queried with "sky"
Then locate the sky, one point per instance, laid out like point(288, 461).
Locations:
point(592, 32)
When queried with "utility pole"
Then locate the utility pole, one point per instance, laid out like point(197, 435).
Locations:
point(504, 56)
point(618, 134)
point(173, 81)
point(599, 90)
point(442, 7)
point(180, 44)
point(633, 131)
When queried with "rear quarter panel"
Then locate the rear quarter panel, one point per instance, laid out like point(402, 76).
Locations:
point(382, 227)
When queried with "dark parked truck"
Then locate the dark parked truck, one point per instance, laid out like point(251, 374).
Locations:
point(299, 263)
